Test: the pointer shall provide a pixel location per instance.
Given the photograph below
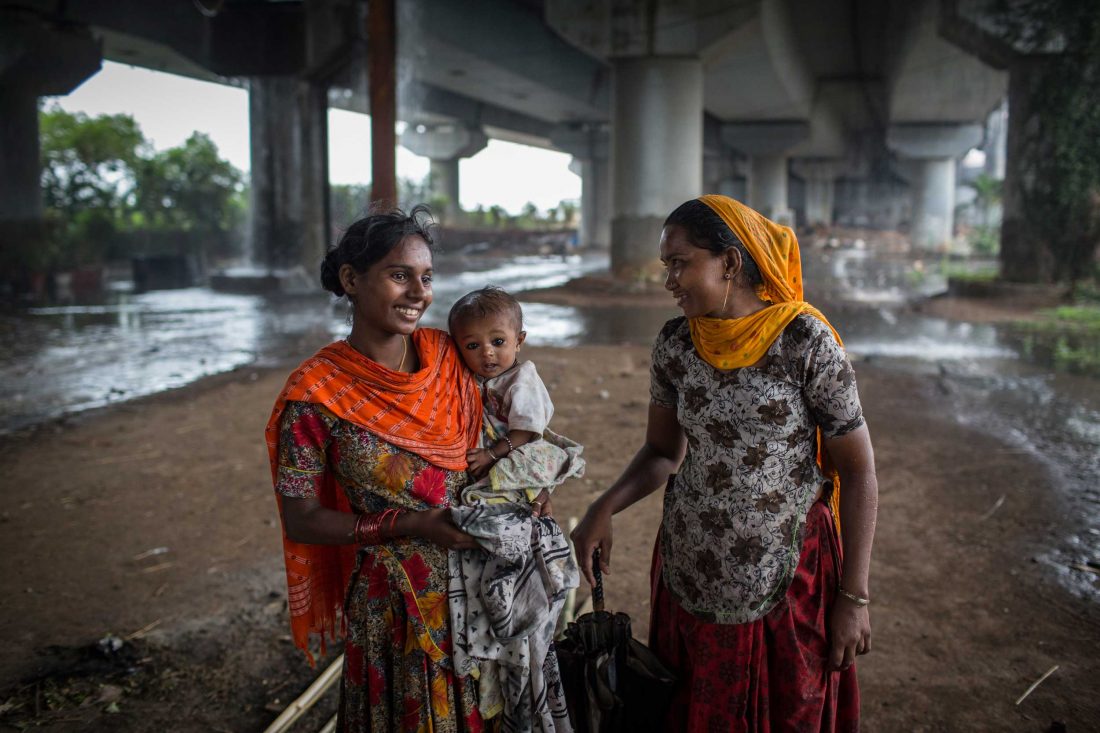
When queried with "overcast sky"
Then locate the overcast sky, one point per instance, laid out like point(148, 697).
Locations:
point(169, 108)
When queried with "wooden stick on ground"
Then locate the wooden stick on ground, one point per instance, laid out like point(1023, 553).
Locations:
point(1036, 683)
point(306, 700)
point(996, 505)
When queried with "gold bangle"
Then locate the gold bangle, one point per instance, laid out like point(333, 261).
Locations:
point(858, 600)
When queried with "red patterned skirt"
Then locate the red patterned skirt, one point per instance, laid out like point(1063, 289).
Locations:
point(771, 674)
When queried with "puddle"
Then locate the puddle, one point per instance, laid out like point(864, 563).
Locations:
point(66, 359)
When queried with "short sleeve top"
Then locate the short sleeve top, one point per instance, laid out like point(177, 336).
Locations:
point(731, 534)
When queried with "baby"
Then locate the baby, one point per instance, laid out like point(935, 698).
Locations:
point(505, 600)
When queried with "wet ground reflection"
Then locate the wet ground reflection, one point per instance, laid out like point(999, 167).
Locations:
point(67, 359)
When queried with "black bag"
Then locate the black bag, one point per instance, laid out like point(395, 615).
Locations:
point(612, 681)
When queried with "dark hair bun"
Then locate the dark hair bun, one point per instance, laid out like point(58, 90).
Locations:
point(370, 239)
point(330, 274)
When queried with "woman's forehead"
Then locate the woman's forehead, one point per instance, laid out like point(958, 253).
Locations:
point(674, 240)
point(412, 250)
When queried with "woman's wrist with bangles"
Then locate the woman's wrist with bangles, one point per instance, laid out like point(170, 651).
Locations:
point(859, 599)
point(372, 528)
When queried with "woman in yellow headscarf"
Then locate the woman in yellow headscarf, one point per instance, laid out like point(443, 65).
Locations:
point(754, 424)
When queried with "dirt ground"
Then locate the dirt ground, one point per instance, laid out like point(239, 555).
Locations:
point(153, 523)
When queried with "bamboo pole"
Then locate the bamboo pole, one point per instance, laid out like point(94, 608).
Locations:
point(307, 699)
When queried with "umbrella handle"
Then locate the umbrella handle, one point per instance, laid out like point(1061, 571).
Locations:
point(597, 590)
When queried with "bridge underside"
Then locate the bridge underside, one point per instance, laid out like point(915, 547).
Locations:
point(814, 111)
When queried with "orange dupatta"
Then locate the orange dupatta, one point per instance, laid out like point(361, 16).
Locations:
point(434, 413)
point(731, 343)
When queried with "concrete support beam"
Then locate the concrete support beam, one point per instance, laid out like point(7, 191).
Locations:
point(589, 144)
point(767, 144)
point(444, 146)
point(289, 146)
point(996, 142)
point(656, 152)
point(20, 171)
point(724, 173)
point(36, 59)
point(933, 150)
point(819, 177)
point(595, 227)
point(768, 187)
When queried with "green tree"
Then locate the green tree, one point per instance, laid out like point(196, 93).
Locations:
point(87, 179)
point(189, 188)
point(102, 181)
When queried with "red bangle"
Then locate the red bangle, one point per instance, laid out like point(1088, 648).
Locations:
point(368, 526)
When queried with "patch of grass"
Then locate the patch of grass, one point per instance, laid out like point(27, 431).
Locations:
point(970, 275)
point(1067, 337)
point(1082, 316)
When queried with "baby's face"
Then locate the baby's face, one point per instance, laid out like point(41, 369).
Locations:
point(488, 345)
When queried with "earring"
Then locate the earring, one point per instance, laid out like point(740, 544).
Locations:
point(727, 296)
point(726, 276)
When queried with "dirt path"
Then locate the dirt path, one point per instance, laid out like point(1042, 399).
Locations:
point(964, 619)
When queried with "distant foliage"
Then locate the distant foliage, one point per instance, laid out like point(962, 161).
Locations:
point(103, 184)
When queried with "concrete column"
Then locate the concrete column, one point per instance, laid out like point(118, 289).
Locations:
point(819, 177)
point(933, 203)
point(289, 147)
point(724, 173)
point(996, 142)
point(589, 144)
point(20, 172)
point(767, 145)
point(595, 227)
point(443, 184)
point(656, 152)
point(933, 150)
point(444, 146)
point(768, 187)
point(38, 57)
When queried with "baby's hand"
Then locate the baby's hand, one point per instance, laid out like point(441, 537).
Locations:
point(480, 462)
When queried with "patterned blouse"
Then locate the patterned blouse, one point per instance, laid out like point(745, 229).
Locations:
point(733, 517)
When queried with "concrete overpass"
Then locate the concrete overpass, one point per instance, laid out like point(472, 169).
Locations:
point(809, 108)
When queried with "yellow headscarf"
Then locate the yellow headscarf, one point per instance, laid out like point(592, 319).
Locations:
point(731, 343)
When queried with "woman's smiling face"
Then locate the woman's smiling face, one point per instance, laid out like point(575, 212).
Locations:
point(392, 295)
point(694, 276)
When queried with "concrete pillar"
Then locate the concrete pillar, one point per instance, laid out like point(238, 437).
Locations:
point(443, 184)
point(444, 146)
point(20, 171)
point(767, 144)
point(724, 173)
point(289, 146)
point(589, 144)
point(819, 177)
point(656, 152)
point(996, 142)
point(933, 151)
point(768, 187)
point(933, 188)
point(595, 227)
point(37, 58)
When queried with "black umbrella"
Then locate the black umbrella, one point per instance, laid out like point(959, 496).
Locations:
point(612, 681)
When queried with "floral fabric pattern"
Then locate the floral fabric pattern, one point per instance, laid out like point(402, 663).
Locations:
point(398, 673)
point(734, 516)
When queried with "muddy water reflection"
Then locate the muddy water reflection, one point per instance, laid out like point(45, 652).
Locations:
point(66, 359)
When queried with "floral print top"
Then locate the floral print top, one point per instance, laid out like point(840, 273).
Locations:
point(734, 515)
point(375, 476)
